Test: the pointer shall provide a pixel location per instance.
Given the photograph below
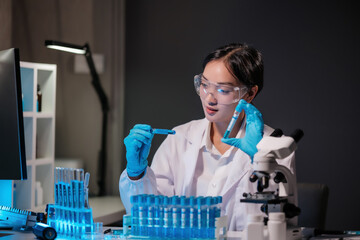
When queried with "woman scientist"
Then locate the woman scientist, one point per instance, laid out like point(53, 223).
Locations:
point(197, 160)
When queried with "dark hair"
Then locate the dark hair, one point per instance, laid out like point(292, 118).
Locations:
point(245, 63)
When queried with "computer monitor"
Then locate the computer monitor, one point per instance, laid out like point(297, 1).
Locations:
point(12, 143)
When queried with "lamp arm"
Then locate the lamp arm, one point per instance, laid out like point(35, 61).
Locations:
point(105, 108)
point(96, 80)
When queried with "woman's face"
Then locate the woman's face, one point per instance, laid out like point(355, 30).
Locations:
point(216, 73)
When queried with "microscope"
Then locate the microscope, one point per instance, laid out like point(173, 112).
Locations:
point(266, 168)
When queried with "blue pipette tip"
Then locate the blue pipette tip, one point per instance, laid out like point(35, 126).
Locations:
point(162, 131)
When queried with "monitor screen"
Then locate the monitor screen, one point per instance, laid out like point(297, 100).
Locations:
point(12, 144)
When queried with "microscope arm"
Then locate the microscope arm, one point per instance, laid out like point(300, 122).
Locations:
point(287, 186)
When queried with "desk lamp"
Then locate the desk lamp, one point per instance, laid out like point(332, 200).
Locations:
point(85, 50)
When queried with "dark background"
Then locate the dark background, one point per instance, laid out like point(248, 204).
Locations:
point(311, 54)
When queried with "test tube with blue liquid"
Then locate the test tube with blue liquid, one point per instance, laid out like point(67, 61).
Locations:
point(176, 215)
point(157, 216)
point(199, 215)
point(167, 230)
point(233, 120)
point(184, 229)
point(192, 217)
point(210, 218)
point(143, 215)
point(150, 215)
point(162, 131)
point(135, 215)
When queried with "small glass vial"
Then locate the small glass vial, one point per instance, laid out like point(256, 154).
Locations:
point(277, 226)
point(254, 227)
point(39, 98)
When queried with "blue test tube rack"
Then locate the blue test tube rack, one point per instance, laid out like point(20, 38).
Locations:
point(177, 217)
point(71, 215)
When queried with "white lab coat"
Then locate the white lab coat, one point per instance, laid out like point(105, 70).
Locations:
point(173, 167)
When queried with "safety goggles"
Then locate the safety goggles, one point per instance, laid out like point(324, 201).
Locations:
point(223, 93)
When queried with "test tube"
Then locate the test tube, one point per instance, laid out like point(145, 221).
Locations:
point(56, 180)
point(157, 215)
point(210, 218)
point(86, 190)
point(199, 213)
point(218, 207)
point(167, 218)
point(192, 218)
point(176, 216)
point(142, 216)
point(150, 215)
point(233, 120)
point(162, 131)
point(184, 217)
point(134, 215)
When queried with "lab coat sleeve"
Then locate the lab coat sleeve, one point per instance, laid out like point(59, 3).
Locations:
point(128, 187)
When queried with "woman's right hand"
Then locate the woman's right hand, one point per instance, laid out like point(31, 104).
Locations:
point(137, 145)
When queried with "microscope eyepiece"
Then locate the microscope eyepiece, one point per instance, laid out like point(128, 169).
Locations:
point(297, 135)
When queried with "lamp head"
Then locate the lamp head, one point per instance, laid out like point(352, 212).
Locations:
point(67, 47)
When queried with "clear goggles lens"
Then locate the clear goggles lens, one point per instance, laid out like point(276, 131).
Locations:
point(224, 94)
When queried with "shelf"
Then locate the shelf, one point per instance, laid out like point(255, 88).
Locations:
point(41, 161)
point(44, 115)
point(39, 134)
point(28, 114)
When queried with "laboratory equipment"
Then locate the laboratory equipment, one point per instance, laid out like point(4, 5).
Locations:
point(71, 215)
point(277, 226)
point(44, 231)
point(284, 200)
point(224, 93)
point(254, 229)
point(175, 217)
point(237, 112)
point(162, 131)
point(16, 219)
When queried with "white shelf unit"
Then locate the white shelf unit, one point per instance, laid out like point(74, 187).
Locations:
point(39, 129)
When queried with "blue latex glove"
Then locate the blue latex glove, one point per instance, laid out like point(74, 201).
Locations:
point(254, 130)
point(137, 145)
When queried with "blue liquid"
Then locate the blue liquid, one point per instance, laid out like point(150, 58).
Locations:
point(174, 217)
point(227, 133)
point(135, 215)
point(162, 131)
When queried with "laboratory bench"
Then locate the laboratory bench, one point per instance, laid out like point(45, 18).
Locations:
point(17, 235)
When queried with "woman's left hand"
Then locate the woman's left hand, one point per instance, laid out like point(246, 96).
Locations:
point(254, 130)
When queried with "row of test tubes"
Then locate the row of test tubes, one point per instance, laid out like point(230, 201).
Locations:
point(174, 217)
point(71, 214)
point(71, 187)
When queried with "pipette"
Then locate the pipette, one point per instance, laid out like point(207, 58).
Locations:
point(233, 120)
point(162, 131)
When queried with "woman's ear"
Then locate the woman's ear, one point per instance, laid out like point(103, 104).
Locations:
point(249, 96)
